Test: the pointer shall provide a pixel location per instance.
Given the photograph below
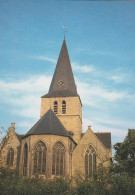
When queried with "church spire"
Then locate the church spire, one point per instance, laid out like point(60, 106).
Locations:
point(63, 83)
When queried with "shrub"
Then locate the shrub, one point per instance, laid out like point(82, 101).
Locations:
point(11, 183)
point(103, 182)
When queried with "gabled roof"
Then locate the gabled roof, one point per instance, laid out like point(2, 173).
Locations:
point(48, 124)
point(105, 138)
point(63, 83)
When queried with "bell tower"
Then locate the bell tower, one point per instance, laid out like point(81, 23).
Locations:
point(62, 96)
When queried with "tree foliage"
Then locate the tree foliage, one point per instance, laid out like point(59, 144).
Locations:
point(125, 155)
point(102, 183)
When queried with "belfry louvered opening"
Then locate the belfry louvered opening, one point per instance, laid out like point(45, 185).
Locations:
point(55, 107)
point(63, 107)
point(90, 161)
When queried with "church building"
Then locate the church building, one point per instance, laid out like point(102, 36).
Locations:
point(56, 145)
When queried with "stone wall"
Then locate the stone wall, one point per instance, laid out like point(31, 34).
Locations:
point(72, 120)
point(49, 141)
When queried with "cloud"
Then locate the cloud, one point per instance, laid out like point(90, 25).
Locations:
point(33, 84)
point(26, 105)
point(93, 94)
point(24, 95)
point(45, 58)
point(82, 68)
point(24, 125)
point(118, 131)
point(108, 122)
point(117, 78)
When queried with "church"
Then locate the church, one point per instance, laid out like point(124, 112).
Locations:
point(56, 145)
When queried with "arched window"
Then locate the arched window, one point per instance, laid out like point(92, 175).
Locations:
point(55, 107)
point(90, 161)
point(63, 107)
point(25, 159)
point(58, 160)
point(40, 158)
point(10, 157)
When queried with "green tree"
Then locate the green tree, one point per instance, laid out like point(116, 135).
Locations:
point(125, 155)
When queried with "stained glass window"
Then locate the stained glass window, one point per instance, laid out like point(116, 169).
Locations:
point(40, 158)
point(10, 157)
point(58, 160)
point(90, 161)
point(25, 159)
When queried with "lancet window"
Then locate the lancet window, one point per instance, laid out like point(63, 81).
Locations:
point(58, 160)
point(63, 107)
point(10, 157)
point(40, 158)
point(55, 107)
point(90, 161)
point(25, 160)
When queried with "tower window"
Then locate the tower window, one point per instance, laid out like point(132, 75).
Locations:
point(10, 157)
point(63, 107)
point(55, 107)
point(90, 161)
point(58, 160)
point(40, 158)
point(25, 159)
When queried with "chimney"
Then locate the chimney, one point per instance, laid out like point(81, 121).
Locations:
point(89, 127)
point(12, 127)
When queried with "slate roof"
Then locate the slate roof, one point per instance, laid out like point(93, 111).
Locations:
point(48, 124)
point(105, 138)
point(63, 83)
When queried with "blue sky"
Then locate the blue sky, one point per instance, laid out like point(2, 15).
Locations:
point(101, 45)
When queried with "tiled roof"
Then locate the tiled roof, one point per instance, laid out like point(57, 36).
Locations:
point(105, 138)
point(48, 124)
point(63, 83)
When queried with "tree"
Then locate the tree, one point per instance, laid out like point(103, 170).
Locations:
point(125, 154)
point(5, 137)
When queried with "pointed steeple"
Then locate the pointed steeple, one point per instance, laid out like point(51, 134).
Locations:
point(63, 83)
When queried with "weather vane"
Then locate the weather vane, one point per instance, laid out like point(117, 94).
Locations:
point(64, 27)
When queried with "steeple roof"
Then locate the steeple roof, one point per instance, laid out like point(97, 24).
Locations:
point(63, 83)
point(48, 124)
